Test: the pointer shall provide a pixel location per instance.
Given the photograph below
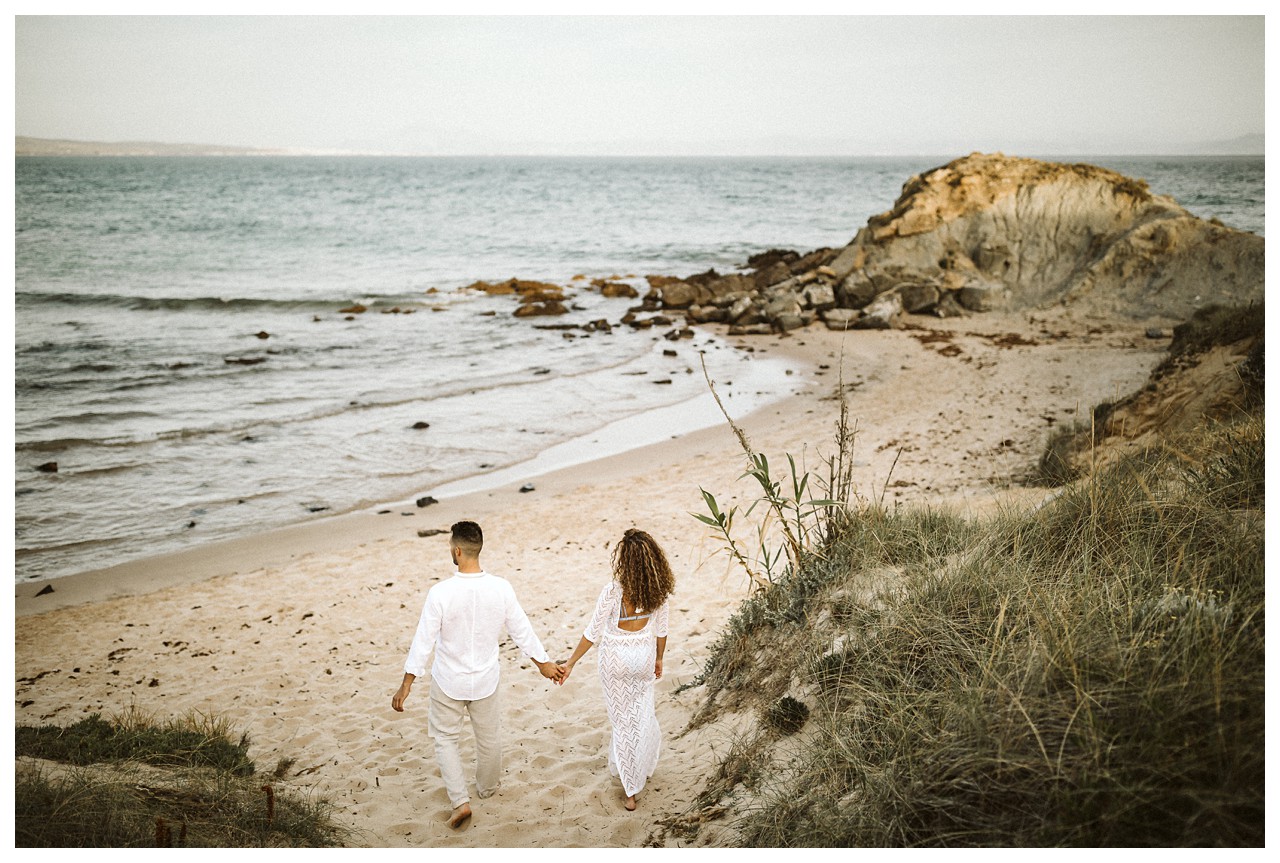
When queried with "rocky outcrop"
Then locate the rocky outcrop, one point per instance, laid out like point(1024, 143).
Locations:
point(989, 232)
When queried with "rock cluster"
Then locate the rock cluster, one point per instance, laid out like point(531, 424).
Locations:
point(981, 233)
point(991, 232)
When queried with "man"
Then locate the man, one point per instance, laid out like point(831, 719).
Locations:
point(462, 620)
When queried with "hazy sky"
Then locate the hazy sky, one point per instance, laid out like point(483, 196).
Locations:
point(759, 84)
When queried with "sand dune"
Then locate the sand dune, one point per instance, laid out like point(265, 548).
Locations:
point(299, 638)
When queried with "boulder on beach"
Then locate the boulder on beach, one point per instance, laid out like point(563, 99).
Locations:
point(1021, 233)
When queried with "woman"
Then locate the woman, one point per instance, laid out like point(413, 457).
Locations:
point(630, 624)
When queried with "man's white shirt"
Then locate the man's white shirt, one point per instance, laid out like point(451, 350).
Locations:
point(462, 621)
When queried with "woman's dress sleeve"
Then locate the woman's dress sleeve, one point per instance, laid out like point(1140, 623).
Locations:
point(600, 616)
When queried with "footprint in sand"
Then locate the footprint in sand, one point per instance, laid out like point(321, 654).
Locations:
point(543, 762)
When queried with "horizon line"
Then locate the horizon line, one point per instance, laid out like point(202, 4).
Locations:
point(193, 149)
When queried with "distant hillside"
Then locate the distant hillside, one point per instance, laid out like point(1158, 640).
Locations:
point(52, 147)
point(1245, 145)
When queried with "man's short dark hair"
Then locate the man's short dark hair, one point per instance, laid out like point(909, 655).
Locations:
point(468, 536)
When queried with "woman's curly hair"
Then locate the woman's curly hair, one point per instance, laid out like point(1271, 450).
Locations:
point(642, 570)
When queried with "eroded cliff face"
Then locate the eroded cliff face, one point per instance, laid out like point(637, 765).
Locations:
point(995, 231)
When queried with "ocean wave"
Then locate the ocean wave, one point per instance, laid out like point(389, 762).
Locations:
point(216, 304)
point(245, 428)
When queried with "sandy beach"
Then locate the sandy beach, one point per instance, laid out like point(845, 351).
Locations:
point(299, 636)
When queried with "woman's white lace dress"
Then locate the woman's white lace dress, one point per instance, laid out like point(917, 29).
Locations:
point(626, 663)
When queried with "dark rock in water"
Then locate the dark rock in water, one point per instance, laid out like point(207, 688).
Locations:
point(45, 591)
point(542, 371)
point(426, 501)
point(316, 508)
point(48, 467)
point(244, 361)
point(618, 289)
point(548, 307)
point(526, 487)
point(422, 425)
point(663, 381)
point(384, 512)
point(601, 325)
point(670, 353)
point(431, 532)
point(356, 309)
point(408, 513)
point(190, 525)
point(264, 334)
point(760, 260)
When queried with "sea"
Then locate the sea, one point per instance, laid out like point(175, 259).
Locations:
point(185, 356)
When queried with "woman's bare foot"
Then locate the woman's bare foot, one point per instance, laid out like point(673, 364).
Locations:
point(631, 803)
point(460, 816)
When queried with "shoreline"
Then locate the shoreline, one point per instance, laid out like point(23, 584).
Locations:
point(275, 547)
point(523, 425)
point(301, 643)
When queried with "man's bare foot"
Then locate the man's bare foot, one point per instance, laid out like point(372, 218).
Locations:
point(460, 816)
point(631, 803)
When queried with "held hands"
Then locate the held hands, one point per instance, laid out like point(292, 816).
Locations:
point(552, 672)
point(565, 669)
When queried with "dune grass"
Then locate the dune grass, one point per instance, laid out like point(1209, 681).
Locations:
point(136, 781)
point(1087, 674)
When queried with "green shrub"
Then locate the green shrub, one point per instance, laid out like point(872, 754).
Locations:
point(1090, 673)
point(138, 782)
point(92, 739)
